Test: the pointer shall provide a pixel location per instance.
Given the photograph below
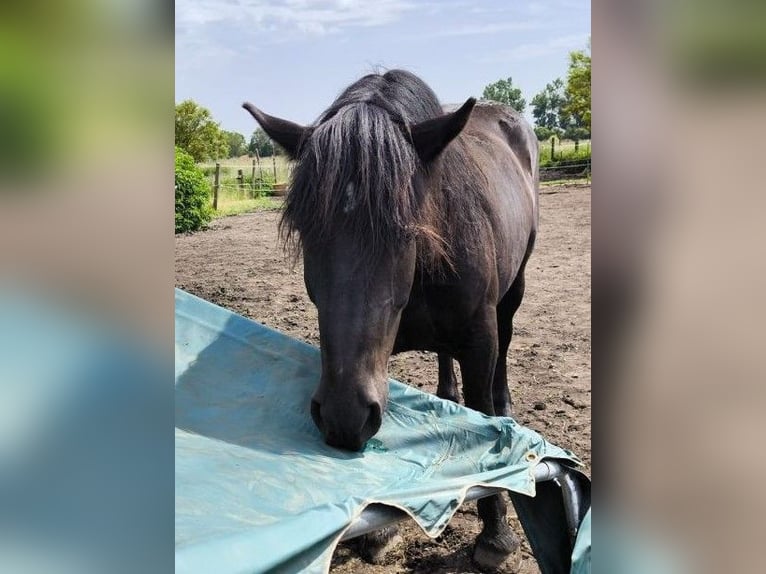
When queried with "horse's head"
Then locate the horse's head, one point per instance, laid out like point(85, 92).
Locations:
point(355, 204)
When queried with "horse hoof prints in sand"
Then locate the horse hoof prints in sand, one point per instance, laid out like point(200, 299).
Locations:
point(415, 226)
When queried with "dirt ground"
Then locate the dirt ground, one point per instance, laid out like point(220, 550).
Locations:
point(237, 263)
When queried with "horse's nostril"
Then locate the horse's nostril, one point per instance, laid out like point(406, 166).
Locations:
point(373, 422)
point(377, 415)
point(349, 431)
point(316, 414)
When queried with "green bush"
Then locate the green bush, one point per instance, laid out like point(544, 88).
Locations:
point(193, 210)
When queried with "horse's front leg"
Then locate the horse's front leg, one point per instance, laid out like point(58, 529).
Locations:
point(477, 356)
point(478, 359)
point(447, 388)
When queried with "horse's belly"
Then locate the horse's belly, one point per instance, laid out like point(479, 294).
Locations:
point(430, 326)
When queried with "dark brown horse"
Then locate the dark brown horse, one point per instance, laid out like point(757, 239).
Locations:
point(415, 226)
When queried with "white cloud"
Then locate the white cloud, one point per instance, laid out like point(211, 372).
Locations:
point(308, 16)
point(530, 51)
point(488, 28)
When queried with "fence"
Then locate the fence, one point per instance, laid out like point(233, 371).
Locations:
point(564, 147)
point(566, 171)
point(243, 178)
point(564, 159)
point(247, 178)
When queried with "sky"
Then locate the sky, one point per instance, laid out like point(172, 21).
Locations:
point(292, 58)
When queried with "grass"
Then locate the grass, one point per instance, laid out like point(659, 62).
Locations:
point(236, 207)
point(564, 153)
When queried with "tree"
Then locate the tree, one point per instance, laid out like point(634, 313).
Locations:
point(576, 132)
point(198, 134)
point(261, 144)
point(577, 107)
point(236, 143)
point(547, 107)
point(503, 91)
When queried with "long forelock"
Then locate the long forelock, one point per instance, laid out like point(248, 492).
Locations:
point(355, 172)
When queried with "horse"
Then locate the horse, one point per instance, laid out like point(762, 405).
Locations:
point(415, 223)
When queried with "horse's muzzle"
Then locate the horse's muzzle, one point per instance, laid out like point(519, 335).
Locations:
point(346, 427)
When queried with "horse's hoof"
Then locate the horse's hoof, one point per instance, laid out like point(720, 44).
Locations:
point(375, 546)
point(490, 553)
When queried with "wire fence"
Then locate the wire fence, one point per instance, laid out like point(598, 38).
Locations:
point(564, 159)
point(247, 178)
point(574, 170)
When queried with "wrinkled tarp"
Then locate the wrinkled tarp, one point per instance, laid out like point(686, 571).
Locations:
point(258, 490)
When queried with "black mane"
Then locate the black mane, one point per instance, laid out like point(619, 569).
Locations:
point(356, 169)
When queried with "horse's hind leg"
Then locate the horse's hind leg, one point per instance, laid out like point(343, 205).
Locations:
point(447, 388)
point(477, 364)
point(506, 309)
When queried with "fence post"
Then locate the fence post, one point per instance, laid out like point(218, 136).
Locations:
point(241, 180)
point(260, 170)
point(553, 148)
point(252, 180)
point(577, 145)
point(216, 185)
point(274, 163)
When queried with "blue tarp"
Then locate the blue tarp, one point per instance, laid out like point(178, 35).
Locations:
point(258, 490)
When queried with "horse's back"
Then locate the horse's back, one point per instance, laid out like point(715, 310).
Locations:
point(491, 120)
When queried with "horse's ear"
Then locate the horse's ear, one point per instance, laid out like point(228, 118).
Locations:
point(287, 134)
point(432, 136)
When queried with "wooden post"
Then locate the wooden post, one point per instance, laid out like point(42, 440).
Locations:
point(274, 163)
point(216, 185)
point(577, 145)
point(252, 181)
point(553, 148)
point(260, 170)
point(240, 179)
